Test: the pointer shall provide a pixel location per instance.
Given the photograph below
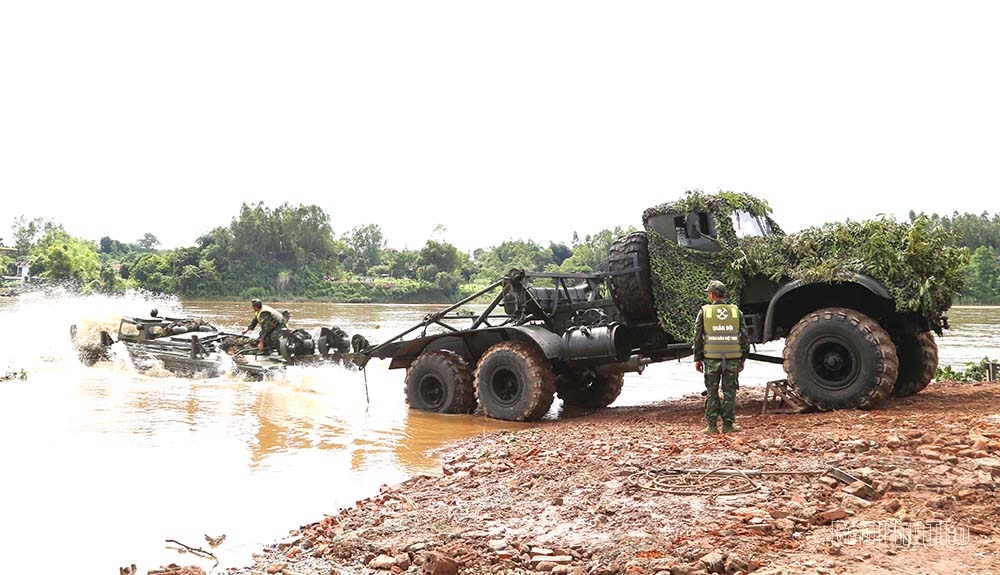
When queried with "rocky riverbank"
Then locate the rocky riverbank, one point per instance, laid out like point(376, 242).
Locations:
point(907, 488)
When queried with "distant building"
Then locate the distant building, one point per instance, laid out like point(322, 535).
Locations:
point(18, 270)
point(23, 270)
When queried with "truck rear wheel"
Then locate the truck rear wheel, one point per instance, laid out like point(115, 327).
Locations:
point(918, 361)
point(514, 381)
point(593, 388)
point(839, 358)
point(630, 284)
point(439, 381)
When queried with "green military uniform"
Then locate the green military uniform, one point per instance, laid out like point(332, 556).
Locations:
point(270, 322)
point(722, 343)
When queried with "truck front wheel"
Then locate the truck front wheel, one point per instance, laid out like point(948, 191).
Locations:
point(839, 358)
point(515, 381)
point(593, 388)
point(918, 361)
point(439, 381)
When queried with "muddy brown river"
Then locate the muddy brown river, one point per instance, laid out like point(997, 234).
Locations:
point(101, 465)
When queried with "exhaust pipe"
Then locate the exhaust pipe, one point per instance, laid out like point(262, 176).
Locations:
point(636, 363)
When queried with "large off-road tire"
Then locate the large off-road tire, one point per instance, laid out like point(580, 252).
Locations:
point(598, 388)
point(515, 381)
point(839, 358)
point(295, 343)
point(333, 339)
point(440, 381)
point(918, 361)
point(632, 292)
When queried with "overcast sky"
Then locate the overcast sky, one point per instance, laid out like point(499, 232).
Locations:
point(499, 120)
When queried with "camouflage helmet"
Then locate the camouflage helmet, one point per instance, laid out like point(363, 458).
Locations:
point(716, 287)
point(256, 302)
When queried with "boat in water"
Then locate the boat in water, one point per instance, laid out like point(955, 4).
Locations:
point(193, 347)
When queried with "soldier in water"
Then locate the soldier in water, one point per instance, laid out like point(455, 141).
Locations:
point(270, 323)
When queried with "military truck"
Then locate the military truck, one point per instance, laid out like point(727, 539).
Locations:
point(857, 304)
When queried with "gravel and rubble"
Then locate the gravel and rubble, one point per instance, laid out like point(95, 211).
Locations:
point(913, 489)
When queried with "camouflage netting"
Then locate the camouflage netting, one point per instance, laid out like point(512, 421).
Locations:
point(920, 264)
point(679, 277)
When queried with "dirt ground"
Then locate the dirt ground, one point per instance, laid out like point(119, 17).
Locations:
point(632, 490)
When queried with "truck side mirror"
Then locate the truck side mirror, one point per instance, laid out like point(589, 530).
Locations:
point(693, 227)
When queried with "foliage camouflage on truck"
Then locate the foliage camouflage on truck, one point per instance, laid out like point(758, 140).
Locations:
point(919, 263)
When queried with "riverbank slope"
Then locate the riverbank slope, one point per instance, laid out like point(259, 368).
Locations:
point(627, 490)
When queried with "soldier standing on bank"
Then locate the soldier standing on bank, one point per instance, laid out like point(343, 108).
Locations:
point(721, 347)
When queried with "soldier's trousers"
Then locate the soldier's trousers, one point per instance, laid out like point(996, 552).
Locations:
point(729, 380)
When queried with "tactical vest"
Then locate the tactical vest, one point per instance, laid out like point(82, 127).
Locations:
point(275, 316)
point(722, 331)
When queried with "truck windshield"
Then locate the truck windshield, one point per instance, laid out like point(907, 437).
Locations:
point(747, 225)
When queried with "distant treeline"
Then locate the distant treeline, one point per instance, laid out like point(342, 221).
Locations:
point(292, 253)
point(981, 235)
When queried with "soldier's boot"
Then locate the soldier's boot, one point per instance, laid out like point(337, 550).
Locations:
point(711, 428)
point(730, 427)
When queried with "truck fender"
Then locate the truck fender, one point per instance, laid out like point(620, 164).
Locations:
point(470, 344)
point(601, 344)
point(550, 343)
point(869, 283)
point(581, 345)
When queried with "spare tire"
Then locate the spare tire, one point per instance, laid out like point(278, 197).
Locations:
point(631, 289)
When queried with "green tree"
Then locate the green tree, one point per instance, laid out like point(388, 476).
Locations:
point(498, 260)
point(402, 263)
point(27, 233)
point(59, 257)
point(367, 243)
point(252, 235)
point(560, 252)
point(448, 282)
point(147, 242)
point(972, 230)
point(591, 255)
point(211, 281)
point(152, 271)
point(189, 279)
point(442, 255)
point(111, 281)
point(982, 276)
point(216, 247)
point(261, 244)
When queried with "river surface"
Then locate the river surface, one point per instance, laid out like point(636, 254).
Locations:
point(101, 465)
